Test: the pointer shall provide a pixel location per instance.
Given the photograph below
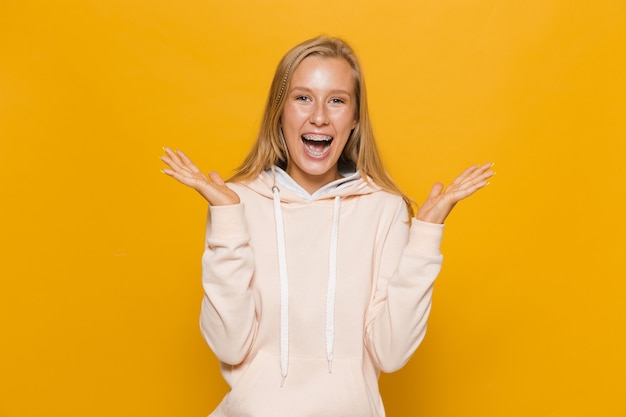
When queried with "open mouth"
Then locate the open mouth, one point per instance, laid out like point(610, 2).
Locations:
point(316, 145)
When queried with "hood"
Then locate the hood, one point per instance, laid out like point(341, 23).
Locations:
point(351, 184)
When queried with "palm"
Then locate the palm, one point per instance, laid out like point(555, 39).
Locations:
point(441, 201)
point(211, 186)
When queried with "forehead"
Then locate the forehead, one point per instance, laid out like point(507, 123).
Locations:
point(322, 72)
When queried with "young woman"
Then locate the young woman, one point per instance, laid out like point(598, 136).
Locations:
point(316, 276)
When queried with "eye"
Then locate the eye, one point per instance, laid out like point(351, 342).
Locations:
point(337, 101)
point(302, 98)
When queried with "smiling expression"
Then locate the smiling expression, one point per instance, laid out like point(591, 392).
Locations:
point(318, 117)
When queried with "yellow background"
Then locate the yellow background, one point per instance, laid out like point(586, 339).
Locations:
point(100, 257)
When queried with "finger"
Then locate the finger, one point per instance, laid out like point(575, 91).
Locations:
point(483, 170)
point(166, 159)
point(464, 175)
point(488, 165)
point(182, 178)
point(436, 190)
point(187, 162)
point(171, 158)
point(475, 175)
point(216, 178)
point(175, 170)
point(170, 153)
point(471, 184)
point(174, 165)
point(175, 156)
point(465, 190)
point(174, 160)
point(482, 173)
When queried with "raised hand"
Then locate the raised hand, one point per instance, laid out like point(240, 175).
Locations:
point(211, 186)
point(440, 201)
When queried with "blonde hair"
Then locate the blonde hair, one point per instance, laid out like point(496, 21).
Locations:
point(360, 151)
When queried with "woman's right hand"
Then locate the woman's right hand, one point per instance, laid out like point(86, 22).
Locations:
point(211, 186)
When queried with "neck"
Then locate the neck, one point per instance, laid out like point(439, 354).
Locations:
point(312, 183)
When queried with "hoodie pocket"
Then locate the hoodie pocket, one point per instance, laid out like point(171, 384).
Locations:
point(309, 390)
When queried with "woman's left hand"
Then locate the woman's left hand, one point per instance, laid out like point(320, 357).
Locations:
point(440, 201)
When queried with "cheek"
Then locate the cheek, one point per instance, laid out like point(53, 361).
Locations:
point(347, 121)
point(293, 118)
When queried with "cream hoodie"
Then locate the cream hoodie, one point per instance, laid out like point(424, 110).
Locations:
point(309, 297)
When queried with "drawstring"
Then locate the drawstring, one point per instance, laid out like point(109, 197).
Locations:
point(284, 287)
point(332, 281)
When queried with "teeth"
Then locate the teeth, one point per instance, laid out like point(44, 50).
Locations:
point(318, 138)
point(316, 145)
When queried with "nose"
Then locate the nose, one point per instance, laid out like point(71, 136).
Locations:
point(319, 115)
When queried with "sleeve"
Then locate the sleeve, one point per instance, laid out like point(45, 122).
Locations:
point(227, 318)
point(397, 316)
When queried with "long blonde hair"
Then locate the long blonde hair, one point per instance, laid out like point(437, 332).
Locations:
point(360, 151)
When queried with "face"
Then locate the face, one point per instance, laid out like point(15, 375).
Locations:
point(317, 119)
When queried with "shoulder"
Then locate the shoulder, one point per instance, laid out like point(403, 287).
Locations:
point(382, 195)
point(381, 206)
point(262, 184)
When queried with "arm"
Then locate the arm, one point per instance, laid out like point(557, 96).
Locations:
point(398, 314)
point(397, 317)
point(227, 318)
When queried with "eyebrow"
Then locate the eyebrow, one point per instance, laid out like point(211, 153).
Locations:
point(306, 89)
